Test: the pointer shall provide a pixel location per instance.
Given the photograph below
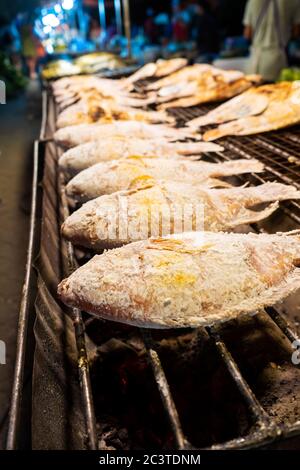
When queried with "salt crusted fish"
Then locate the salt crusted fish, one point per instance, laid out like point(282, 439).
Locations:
point(250, 103)
point(188, 280)
point(88, 113)
point(243, 105)
point(109, 177)
point(282, 111)
point(204, 91)
point(172, 206)
point(83, 156)
point(76, 135)
point(160, 68)
point(194, 72)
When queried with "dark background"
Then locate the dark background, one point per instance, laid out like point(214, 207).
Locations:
point(229, 12)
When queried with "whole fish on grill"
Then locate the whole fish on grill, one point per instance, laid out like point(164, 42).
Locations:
point(87, 113)
point(192, 73)
point(160, 68)
point(83, 156)
point(172, 206)
point(72, 85)
point(95, 91)
point(250, 103)
point(280, 113)
point(109, 177)
point(75, 135)
point(186, 280)
point(88, 97)
point(207, 90)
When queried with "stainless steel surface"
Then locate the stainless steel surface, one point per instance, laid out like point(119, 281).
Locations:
point(17, 388)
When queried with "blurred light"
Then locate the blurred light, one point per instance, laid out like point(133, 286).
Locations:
point(67, 4)
point(57, 8)
point(50, 20)
point(47, 29)
point(49, 49)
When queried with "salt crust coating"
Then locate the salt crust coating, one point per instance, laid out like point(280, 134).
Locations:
point(187, 280)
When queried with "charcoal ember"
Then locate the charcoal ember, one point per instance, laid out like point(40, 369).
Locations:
point(112, 438)
point(278, 389)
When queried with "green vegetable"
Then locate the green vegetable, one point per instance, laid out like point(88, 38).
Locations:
point(13, 78)
point(289, 75)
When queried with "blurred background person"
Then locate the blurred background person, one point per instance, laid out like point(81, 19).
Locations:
point(181, 22)
point(204, 30)
point(29, 49)
point(150, 27)
point(269, 25)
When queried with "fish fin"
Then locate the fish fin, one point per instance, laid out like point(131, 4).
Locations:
point(193, 148)
point(236, 167)
point(199, 121)
point(272, 192)
point(215, 134)
point(141, 182)
point(248, 216)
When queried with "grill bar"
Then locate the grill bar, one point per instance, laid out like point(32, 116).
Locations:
point(268, 430)
point(282, 324)
point(165, 392)
point(82, 361)
point(18, 381)
point(253, 404)
point(219, 157)
point(276, 169)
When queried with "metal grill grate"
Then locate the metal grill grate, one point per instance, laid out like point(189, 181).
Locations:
point(279, 152)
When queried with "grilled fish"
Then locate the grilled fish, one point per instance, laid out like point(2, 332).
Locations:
point(172, 206)
point(83, 156)
point(186, 280)
point(76, 135)
point(94, 96)
point(250, 103)
point(280, 113)
point(160, 68)
point(103, 112)
point(78, 83)
point(194, 72)
point(109, 177)
point(207, 91)
point(186, 74)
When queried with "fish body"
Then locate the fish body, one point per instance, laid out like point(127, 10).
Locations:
point(160, 68)
point(186, 74)
point(75, 135)
point(83, 156)
point(250, 103)
point(186, 280)
point(166, 208)
point(282, 110)
point(108, 112)
point(118, 175)
point(277, 116)
point(204, 92)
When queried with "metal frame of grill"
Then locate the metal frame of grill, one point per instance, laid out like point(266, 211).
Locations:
point(282, 162)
